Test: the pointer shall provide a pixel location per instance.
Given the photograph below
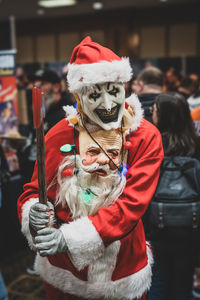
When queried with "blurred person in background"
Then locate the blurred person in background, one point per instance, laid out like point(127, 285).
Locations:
point(50, 83)
point(55, 99)
point(172, 80)
point(31, 79)
point(148, 85)
point(128, 86)
point(188, 87)
point(4, 177)
point(195, 114)
point(176, 249)
point(194, 76)
point(21, 77)
point(64, 85)
point(27, 153)
point(194, 99)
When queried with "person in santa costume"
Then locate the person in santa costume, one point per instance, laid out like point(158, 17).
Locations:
point(102, 165)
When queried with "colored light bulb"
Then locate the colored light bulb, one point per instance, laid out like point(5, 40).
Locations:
point(127, 145)
point(67, 148)
point(68, 172)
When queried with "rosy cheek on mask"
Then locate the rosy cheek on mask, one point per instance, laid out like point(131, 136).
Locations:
point(116, 162)
point(112, 166)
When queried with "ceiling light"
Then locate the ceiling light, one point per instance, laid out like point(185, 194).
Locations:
point(56, 3)
point(163, 0)
point(97, 5)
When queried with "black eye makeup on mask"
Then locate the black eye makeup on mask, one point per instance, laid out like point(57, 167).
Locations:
point(114, 91)
point(94, 96)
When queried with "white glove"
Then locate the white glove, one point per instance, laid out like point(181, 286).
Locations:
point(41, 215)
point(50, 241)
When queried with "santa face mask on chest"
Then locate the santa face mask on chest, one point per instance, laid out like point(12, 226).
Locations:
point(104, 104)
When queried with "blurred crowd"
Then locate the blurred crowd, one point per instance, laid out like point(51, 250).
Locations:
point(54, 88)
point(181, 93)
point(56, 94)
point(172, 103)
point(151, 81)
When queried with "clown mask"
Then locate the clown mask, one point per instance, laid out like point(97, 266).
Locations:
point(104, 104)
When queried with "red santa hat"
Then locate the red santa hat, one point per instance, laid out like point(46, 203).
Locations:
point(92, 63)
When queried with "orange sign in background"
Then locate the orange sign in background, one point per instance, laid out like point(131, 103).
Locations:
point(8, 88)
point(8, 93)
point(8, 108)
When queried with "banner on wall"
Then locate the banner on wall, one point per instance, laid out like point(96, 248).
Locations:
point(8, 94)
point(9, 134)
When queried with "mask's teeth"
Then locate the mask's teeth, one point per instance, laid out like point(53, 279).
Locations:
point(108, 116)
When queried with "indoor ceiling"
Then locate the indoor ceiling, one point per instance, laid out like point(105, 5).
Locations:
point(29, 9)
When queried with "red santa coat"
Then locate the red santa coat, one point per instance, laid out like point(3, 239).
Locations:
point(108, 257)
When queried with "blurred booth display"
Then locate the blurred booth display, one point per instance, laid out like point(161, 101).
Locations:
point(8, 123)
point(9, 134)
point(8, 94)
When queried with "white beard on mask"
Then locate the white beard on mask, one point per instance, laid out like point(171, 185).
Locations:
point(104, 190)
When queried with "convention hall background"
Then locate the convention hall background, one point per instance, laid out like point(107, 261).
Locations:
point(162, 33)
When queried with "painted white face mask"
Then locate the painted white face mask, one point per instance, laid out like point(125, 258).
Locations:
point(104, 104)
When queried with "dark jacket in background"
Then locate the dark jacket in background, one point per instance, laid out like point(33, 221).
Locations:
point(147, 101)
point(171, 240)
point(4, 171)
point(176, 254)
point(56, 112)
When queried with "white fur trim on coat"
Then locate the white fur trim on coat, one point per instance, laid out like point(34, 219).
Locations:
point(135, 104)
point(83, 241)
point(70, 111)
point(126, 288)
point(83, 75)
point(25, 221)
point(102, 269)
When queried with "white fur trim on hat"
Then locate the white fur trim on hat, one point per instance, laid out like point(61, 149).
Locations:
point(84, 75)
point(83, 241)
point(127, 288)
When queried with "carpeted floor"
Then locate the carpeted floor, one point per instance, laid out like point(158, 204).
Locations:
point(20, 285)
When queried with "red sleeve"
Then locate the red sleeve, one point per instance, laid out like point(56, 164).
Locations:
point(59, 135)
point(113, 222)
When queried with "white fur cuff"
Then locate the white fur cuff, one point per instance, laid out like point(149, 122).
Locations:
point(83, 241)
point(25, 221)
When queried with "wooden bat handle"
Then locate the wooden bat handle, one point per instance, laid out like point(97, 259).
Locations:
point(41, 165)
